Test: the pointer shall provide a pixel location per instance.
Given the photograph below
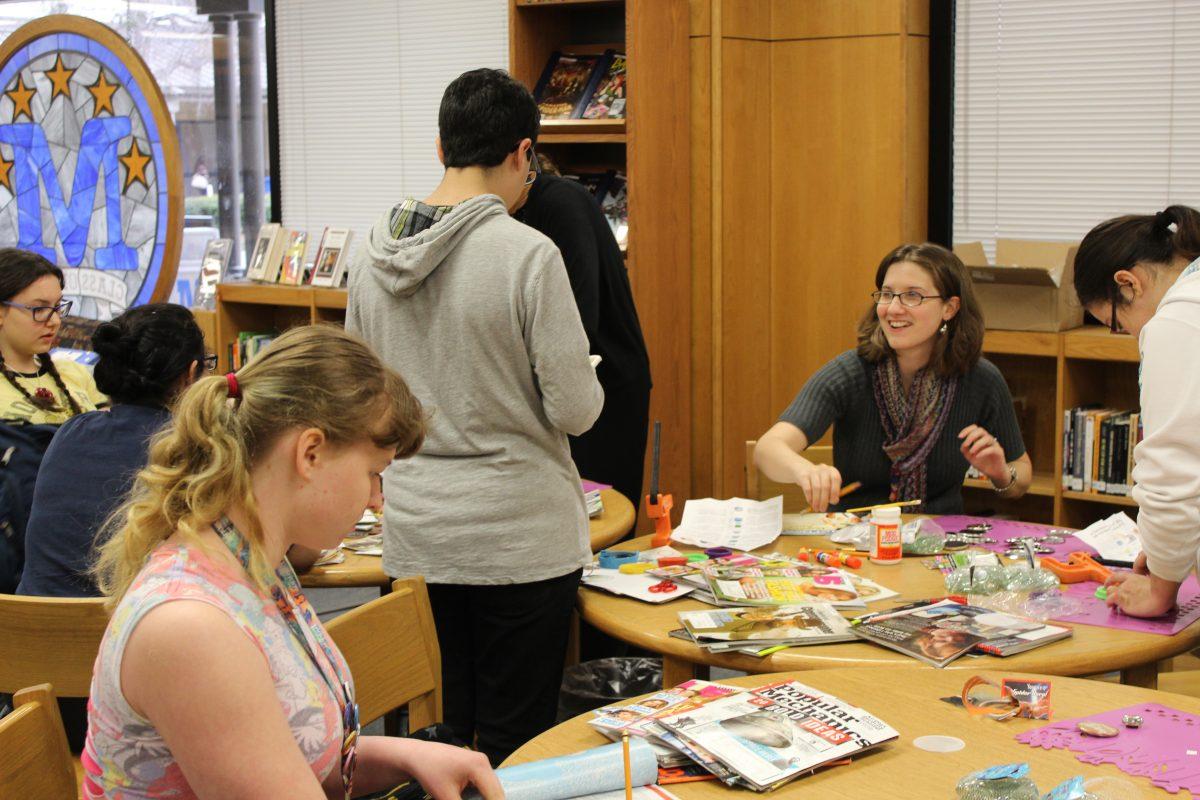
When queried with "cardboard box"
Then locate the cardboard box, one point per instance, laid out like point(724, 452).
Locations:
point(1029, 288)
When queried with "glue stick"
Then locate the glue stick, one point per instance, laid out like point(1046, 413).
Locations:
point(886, 546)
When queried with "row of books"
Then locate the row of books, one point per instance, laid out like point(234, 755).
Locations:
point(583, 86)
point(757, 738)
point(1098, 448)
point(247, 346)
point(610, 189)
point(278, 257)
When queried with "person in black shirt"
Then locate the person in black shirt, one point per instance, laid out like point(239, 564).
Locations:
point(614, 450)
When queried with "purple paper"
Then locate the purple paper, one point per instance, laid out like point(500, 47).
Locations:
point(1166, 749)
point(592, 485)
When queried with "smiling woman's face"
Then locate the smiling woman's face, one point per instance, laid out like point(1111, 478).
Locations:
point(912, 327)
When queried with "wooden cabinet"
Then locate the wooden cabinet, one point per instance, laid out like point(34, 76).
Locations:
point(270, 308)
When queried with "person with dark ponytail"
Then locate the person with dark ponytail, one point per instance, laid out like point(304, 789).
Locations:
point(148, 355)
point(33, 388)
point(1140, 273)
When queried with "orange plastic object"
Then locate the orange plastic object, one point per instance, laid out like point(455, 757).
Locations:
point(660, 512)
point(1078, 567)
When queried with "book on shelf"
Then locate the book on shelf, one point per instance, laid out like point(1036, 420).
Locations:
point(568, 83)
point(726, 628)
point(268, 253)
point(777, 732)
point(937, 633)
point(213, 264)
point(1098, 445)
point(615, 205)
point(248, 345)
point(329, 267)
point(291, 271)
point(608, 100)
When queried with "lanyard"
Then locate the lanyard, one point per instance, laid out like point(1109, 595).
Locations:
point(284, 577)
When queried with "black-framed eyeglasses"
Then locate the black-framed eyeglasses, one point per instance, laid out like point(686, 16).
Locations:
point(42, 313)
point(210, 362)
point(911, 298)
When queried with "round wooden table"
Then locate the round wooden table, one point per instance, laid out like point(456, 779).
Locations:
point(911, 704)
point(367, 571)
point(1090, 651)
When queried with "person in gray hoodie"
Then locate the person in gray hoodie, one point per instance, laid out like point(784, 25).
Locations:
point(475, 310)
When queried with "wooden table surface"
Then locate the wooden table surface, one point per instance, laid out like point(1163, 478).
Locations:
point(367, 571)
point(910, 704)
point(1090, 651)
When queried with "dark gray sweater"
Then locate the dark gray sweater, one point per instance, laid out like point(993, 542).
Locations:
point(841, 394)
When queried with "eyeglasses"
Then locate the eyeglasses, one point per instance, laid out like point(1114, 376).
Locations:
point(42, 313)
point(910, 298)
point(210, 362)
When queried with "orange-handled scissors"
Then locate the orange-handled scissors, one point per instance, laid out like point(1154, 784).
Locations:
point(1078, 567)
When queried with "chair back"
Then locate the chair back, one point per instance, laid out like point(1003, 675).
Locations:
point(34, 759)
point(760, 487)
point(51, 640)
point(391, 647)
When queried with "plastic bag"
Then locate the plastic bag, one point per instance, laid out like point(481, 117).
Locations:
point(606, 681)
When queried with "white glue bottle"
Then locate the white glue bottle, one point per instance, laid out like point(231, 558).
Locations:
point(886, 546)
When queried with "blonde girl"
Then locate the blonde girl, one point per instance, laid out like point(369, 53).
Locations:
point(215, 678)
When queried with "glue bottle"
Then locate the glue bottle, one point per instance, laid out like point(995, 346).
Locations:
point(886, 547)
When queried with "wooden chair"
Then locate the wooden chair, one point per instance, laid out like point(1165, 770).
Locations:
point(760, 487)
point(391, 647)
point(50, 640)
point(34, 759)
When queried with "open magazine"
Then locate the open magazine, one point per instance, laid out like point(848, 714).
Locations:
point(777, 732)
point(781, 585)
point(762, 627)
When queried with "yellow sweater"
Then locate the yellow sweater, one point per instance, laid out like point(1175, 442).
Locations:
point(14, 406)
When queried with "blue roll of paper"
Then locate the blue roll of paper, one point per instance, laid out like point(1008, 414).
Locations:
point(601, 769)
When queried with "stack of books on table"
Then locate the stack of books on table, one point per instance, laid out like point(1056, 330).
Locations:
point(591, 494)
point(939, 632)
point(754, 630)
point(758, 738)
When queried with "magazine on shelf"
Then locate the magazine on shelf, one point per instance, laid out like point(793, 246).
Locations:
point(762, 627)
point(568, 82)
point(330, 263)
point(291, 271)
point(212, 271)
point(608, 101)
point(778, 732)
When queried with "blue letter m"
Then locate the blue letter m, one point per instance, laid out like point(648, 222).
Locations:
point(97, 146)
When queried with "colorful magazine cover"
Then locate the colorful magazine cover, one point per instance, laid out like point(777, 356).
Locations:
point(781, 586)
point(795, 625)
point(608, 101)
point(779, 731)
point(567, 83)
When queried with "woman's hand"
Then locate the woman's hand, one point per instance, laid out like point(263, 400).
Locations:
point(445, 771)
point(985, 454)
point(1140, 595)
point(821, 484)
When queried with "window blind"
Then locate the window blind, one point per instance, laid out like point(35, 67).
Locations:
point(359, 86)
point(1072, 112)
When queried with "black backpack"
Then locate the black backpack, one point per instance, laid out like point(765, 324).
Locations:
point(22, 446)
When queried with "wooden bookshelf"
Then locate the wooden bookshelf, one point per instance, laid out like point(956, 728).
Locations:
point(270, 308)
point(1049, 373)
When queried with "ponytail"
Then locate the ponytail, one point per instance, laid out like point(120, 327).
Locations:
point(1149, 240)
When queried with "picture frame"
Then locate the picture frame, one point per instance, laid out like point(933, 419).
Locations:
point(213, 265)
point(329, 266)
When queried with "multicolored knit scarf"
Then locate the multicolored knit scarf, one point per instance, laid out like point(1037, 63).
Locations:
point(912, 424)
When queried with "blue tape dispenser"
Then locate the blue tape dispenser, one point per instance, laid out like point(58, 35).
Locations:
point(613, 559)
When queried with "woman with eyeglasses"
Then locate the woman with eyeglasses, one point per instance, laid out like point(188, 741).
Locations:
point(1140, 273)
point(913, 406)
point(34, 387)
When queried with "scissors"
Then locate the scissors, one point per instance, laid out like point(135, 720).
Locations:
point(664, 587)
point(1079, 566)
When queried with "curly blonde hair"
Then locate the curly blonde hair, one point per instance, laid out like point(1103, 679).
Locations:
point(316, 376)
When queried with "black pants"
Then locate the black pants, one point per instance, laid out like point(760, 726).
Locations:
point(614, 450)
point(502, 658)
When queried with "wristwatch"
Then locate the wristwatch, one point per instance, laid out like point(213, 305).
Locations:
point(1012, 479)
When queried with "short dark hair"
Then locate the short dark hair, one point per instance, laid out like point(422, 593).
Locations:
point(958, 350)
point(484, 115)
point(144, 351)
point(1124, 242)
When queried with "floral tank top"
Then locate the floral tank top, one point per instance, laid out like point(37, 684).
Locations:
point(124, 757)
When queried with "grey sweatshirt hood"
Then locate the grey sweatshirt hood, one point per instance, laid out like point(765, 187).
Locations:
point(400, 266)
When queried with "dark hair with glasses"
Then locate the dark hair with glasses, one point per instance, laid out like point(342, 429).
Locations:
point(957, 351)
point(1152, 241)
point(145, 351)
point(484, 116)
point(18, 269)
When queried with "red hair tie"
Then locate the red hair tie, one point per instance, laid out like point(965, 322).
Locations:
point(235, 391)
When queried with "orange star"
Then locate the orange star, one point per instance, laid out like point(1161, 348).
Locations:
point(20, 96)
point(6, 174)
point(135, 162)
point(102, 91)
point(60, 78)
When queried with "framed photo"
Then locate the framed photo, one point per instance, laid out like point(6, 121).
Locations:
point(212, 271)
point(330, 264)
point(269, 242)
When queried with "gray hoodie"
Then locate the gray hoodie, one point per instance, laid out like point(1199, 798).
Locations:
point(477, 315)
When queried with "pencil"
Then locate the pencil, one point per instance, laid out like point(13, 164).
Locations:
point(847, 489)
point(900, 504)
point(628, 777)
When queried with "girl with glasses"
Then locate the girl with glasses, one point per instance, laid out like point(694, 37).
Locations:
point(215, 678)
point(34, 388)
point(913, 406)
point(1141, 273)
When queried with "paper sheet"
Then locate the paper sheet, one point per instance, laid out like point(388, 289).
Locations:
point(737, 523)
point(1115, 537)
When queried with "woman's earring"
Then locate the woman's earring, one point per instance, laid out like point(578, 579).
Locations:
point(945, 327)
